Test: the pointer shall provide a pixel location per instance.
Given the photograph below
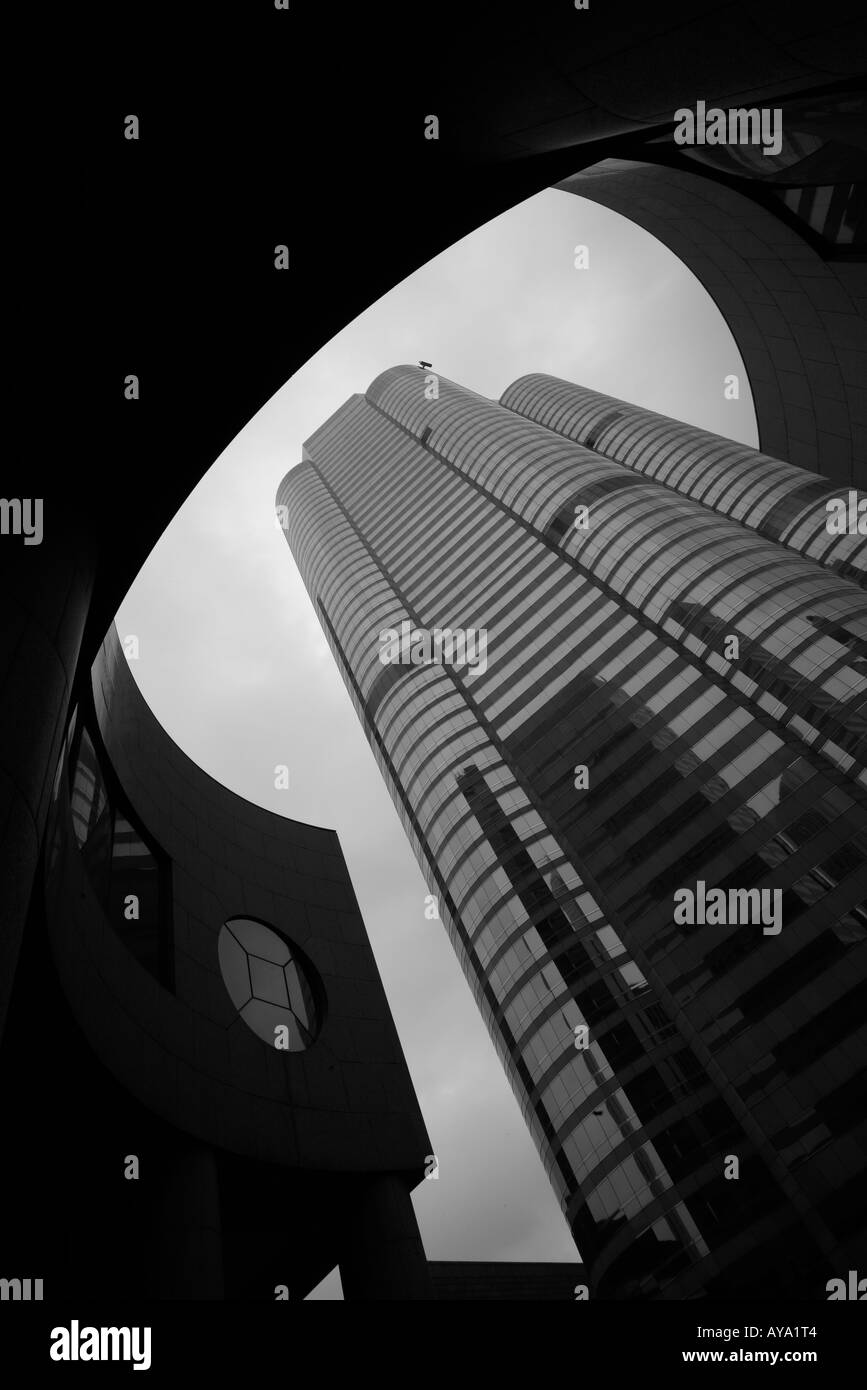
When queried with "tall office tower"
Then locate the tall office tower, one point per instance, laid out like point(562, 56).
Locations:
point(649, 678)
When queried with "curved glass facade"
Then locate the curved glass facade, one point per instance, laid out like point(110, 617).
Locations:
point(775, 499)
point(670, 695)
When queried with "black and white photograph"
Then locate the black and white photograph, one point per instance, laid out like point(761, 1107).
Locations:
point(434, 684)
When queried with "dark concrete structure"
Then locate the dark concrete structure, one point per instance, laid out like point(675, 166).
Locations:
point(547, 79)
point(259, 1167)
point(475, 1281)
point(799, 318)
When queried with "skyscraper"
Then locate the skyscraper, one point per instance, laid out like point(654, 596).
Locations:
point(609, 663)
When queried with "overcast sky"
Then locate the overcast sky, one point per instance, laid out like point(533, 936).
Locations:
point(234, 664)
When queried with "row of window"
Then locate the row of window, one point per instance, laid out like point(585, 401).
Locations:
point(772, 497)
point(607, 642)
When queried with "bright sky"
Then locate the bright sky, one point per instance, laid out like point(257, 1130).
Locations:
point(234, 664)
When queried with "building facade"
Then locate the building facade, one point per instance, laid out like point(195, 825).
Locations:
point(607, 663)
point(796, 305)
point(224, 1109)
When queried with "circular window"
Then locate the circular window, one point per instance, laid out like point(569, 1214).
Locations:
point(271, 983)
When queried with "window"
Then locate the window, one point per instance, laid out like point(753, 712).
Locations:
point(271, 983)
point(128, 874)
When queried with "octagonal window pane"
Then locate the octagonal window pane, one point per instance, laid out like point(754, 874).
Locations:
point(268, 980)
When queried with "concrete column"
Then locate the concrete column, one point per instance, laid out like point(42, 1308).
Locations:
point(185, 1239)
point(382, 1254)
